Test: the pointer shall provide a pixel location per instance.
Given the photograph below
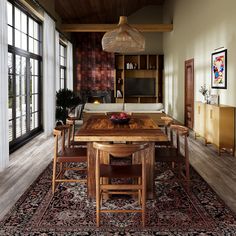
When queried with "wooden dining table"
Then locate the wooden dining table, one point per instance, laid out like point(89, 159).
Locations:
point(139, 129)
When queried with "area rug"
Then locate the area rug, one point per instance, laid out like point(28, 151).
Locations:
point(173, 211)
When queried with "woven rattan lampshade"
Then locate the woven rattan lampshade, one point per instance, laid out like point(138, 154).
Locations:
point(123, 39)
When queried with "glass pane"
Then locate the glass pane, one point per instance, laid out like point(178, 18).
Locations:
point(33, 104)
point(17, 19)
point(17, 38)
point(36, 82)
point(62, 51)
point(10, 85)
point(62, 83)
point(36, 28)
point(23, 65)
point(62, 73)
point(9, 13)
point(18, 127)
point(23, 85)
point(9, 36)
point(36, 47)
point(10, 131)
point(36, 67)
point(31, 27)
point(17, 85)
point(62, 63)
point(24, 41)
point(31, 66)
point(36, 117)
point(32, 85)
point(10, 103)
point(31, 45)
point(18, 65)
point(10, 65)
point(23, 105)
point(18, 106)
point(23, 131)
point(23, 23)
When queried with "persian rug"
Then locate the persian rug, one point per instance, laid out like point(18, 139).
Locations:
point(173, 211)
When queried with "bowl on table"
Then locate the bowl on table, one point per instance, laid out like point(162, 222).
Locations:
point(120, 118)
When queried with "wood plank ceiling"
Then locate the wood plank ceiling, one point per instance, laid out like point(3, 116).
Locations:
point(99, 11)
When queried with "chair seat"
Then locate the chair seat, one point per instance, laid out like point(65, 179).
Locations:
point(73, 155)
point(163, 154)
point(121, 171)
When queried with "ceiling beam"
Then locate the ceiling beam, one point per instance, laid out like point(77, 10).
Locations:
point(107, 27)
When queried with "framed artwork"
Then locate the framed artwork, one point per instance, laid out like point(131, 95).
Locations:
point(219, 69)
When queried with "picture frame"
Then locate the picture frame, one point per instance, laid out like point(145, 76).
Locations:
point(219, 69)
point(214, 99)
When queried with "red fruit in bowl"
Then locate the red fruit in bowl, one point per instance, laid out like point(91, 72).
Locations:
point(113, 117)
point(123, 115)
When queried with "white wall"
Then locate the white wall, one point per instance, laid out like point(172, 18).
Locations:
point(149, 15)
point(200, 27)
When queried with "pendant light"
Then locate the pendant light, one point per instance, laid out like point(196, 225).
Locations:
point(123, 39)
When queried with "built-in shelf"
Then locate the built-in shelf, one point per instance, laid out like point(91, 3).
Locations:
point(138, 67)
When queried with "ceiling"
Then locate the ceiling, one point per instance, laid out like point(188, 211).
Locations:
point(99, 11)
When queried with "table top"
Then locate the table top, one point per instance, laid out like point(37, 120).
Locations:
point(101, 128)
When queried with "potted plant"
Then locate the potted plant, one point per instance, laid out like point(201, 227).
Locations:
point(65, 100)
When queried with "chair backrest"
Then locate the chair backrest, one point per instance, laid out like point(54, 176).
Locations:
point(120, 149)
point(181, 131)
point(71, 122)
point(61, 132)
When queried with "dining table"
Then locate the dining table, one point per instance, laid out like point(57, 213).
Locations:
point(100, 128)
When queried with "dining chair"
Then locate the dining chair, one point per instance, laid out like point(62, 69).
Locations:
point(71, 139)
point(178, 153)
point(167, 122)
point(66, 157)
point(136, 172)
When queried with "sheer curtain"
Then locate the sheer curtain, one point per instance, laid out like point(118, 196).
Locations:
point(49, 84)
point(69, 66)
point(4, 144)
point(57, 58)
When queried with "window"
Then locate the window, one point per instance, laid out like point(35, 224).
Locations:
point(24, 75)
point(62, 55)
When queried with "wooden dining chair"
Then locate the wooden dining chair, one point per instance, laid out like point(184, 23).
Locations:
point(65, 156)
point(133, 171)
point(178, 153)
point(167, 122)
point(71, 139)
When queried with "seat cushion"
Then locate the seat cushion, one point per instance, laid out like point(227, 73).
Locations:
point(143, 107)
point(103, 107)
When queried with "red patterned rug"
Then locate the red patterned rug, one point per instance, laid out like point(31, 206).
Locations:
point(69, 212)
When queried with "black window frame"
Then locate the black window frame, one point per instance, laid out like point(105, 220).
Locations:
point(20, 141)
point(63, 67)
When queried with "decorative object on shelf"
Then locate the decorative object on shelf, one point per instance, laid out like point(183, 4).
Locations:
point(119, 94)
point(123, 39)
point(219, 69)
point(214, 99)
point(205, 92)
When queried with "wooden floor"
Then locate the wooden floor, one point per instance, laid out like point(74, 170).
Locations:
point(29, 161)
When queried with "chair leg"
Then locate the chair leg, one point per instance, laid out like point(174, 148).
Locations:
point(54, 175)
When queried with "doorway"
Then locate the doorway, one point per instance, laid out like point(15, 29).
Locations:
point(189, 94)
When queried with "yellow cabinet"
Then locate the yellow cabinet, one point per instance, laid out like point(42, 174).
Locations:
point(200, 119)
point(220, 126)
point(216, 124)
